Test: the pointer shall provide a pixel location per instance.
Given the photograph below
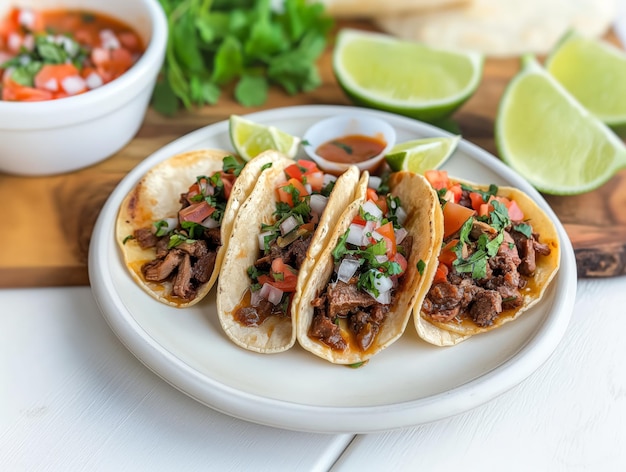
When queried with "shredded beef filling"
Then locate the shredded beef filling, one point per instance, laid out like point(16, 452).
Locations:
point(187, 266)
point(483, 300)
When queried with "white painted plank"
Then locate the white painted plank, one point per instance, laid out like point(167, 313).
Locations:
point(570, 415)
point(72, 398)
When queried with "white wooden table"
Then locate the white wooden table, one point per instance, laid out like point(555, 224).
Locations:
point(72, 398)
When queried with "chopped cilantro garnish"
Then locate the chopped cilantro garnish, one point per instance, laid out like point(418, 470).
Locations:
point(177, 239)
point(525, 229)
point(421, 265)
point(230, 165)
point(491, 192)
point(160, 228)
point(128, 238)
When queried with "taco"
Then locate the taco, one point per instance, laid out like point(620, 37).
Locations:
point(376, 267)
point(499, 253)
point(171, 228)
point(278, 234)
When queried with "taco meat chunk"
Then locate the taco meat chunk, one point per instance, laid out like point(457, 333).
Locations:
point(488, 256)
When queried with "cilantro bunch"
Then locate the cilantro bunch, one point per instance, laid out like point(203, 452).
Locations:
point(213, 44)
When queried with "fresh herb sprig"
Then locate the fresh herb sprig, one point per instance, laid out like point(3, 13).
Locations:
point(213, 44)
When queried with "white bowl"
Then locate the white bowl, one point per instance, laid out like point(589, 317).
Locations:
point(343, 125)
point(56, 136)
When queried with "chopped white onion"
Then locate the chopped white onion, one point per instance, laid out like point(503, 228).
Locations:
point(109, 40)
point(318, 203)
point(308, 188)
point(328, 178)
point(272, 294)
point(382, 282)
point(371, 208)
point(377, 236)
point(262, 237)
point(51, 84)
point(369, 228)
point(28, 43)
point(93, 80)
point(400, 234)
point(255, 297)
point(14, 42)
point(401, 215)
point(210, 223)
point(347, 268)
point(374, 182)
point(172, 223)
point(381, 259)
point(73, 84)
point(288, 225)
point(383, 297)
point(26, 18)
point(355, 235)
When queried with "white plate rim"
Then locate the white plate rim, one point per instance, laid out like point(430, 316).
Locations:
point(324, 419)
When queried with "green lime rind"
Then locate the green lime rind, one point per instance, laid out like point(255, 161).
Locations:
point(420, 155)
point(407, 78)
point(594, 72)
point(549, 138)
point(251, 139)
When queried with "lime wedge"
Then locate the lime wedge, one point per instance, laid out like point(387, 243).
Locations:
point(547, 136)
point(594, 72)
point(409, 78)
point(420, 155)
point(250, 139)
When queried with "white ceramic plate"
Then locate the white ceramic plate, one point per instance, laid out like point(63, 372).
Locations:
point(409, 383)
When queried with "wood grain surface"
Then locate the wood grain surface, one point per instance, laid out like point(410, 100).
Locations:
point(47, 221)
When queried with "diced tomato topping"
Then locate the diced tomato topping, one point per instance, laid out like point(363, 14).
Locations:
point(456, 191)
point(387, 232)
point(12, 91)
point(357, 220)
point(437, 178)
point(315, 180)
point(382, 204)
point(308, 165)
point(294, 172)
point(454, 215)
point(447, 255)
point(371, 195)
point(50, 76)
point(287, 273)
point(477, 200)
point(285, 196)
point(196, 212)
point(515, 212)
point(441, 275)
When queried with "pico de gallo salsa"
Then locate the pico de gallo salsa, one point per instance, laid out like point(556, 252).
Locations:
point(51, 54)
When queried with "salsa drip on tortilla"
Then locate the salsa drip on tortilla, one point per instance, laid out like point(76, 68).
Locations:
point(370, 260)
point(187, 243)
point(488, 257)
point(300, 201)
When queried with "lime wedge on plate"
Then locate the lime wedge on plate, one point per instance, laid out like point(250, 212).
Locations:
point(250, 139)
point(404, 77)
point(548, 137)
point(420, 155)
point(594, 72)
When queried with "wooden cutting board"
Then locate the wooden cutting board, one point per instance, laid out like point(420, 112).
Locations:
point(47, 221)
